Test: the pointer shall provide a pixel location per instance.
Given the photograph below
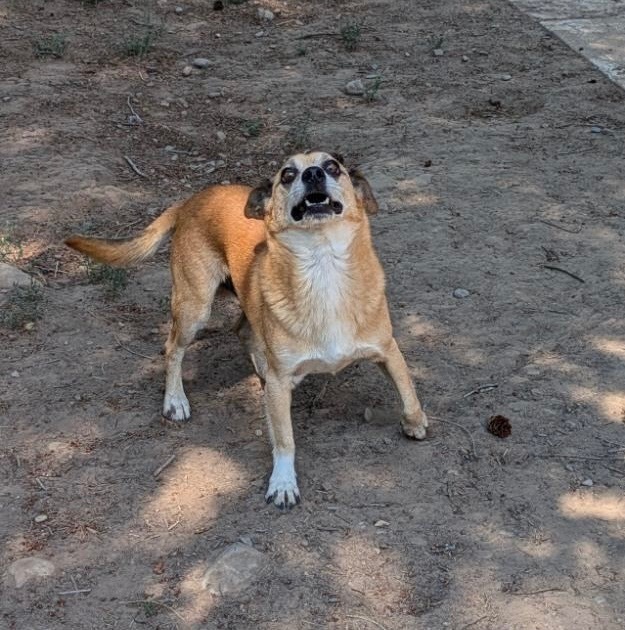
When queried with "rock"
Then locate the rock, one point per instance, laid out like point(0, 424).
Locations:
point(15, 374)
point(355, 88)
point(381, 523)
point(187, 70)
point(234, 570)
point(41, 518)
point(178, 10)
point(438, 52)
point(588, 483)
point(259, 34)
point(201, 62)
point(596, 129)
point(265, 14)
point(506, 77)
point(461, 293)
point(26, 569)
point(221, 136)
point(11, 276)
point(465, 58)
point(214, 94)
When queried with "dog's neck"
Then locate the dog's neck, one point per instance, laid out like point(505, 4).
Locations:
point(322, 279)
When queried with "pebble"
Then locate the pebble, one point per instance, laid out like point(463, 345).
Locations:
point(461, 293)
point(465, 58)
point(506, 77)
point(355, 88)
point(381, 523)
point(178, 10)
point(201, 62)
point(214, 94)
point(438, 52)
point(26, 569)
point(265, 14)
point(246, 540)
point(15, 374)
point(596, 129)
point(41, 518)
point(235, 569)
point(187, 70)
point(259, 34)
point(258, 432)
point(11, 276)
point(588, 483)
point(221, 136)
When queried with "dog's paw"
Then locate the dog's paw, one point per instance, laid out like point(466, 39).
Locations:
point(283, 491)
point(415, 428)
point(176, 408)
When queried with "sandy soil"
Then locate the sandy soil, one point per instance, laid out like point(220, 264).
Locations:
point(487, 169)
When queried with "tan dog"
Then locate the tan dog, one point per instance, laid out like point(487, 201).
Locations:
point(309, 282)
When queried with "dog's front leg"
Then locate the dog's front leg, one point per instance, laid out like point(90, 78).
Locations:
point(414, 420)
point(283, 490)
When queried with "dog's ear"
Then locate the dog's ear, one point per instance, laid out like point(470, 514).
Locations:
point(257, 201)
point(364, 194)
point(339, 158)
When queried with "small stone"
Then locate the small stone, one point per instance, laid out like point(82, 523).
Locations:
point(506, 77)
point(29, 325)
point(355, 88)
point(461, 293)
point(221, 136)
point(11, 276)
point(368, 414)
point(438, 52)
point(265, 14)
point(178, 10)
point(41, 518)
point(259, 34)
point(214, 94)
point(465, 58)
point(154, 331)
point(596, 129)
point(25, 569)
point(169, 148)
point(588, 483)
point(15, 374)
point(246, 540)
point(381, 523)
point(187, 70)
point(234, 570)
point(201, 62)
point(258, 432)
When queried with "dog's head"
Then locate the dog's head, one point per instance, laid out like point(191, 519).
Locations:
point(310, 190)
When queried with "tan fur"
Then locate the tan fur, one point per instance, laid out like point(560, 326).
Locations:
point(312, 291)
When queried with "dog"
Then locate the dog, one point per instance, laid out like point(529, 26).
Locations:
point(297, 251)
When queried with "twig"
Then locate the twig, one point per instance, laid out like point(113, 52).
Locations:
point(121, 345)
point(155, 602)
point(371, 621)
point(568, 273)
point(134, 167)
point(463, 429)
point(616, 470)
point(469, 625)
point(162, 467)
point(41, 484)
point(481, 388)
point(543, 590)
point(591, 458)
point(559, 227)
point(75, 592)
point(134, 113)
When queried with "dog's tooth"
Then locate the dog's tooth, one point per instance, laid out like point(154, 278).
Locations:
point(307, 203)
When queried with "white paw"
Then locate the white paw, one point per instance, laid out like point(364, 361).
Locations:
point(415, 429)
point(283, 490)
point(176, 408)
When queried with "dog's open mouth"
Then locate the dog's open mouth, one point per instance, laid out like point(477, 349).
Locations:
point(316, 205)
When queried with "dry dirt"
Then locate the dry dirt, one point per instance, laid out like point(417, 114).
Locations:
point(482, 180)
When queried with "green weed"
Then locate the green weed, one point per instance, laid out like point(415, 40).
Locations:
point(53, 46)
point(22, 306)
point(351, 35)
point(112, 279)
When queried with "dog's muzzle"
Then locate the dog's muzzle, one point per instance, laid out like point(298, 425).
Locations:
point(316, 203)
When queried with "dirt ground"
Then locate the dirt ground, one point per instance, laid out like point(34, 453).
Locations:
point(491, 160)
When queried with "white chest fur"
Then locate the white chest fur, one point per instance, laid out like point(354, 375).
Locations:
point(327, 296)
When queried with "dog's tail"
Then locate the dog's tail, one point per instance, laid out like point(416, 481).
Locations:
point(122, 252)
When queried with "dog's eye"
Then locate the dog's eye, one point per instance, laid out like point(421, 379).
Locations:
point(332, 168)
point(288, 175)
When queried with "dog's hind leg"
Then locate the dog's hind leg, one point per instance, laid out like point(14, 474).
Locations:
point(195, 282)
point(414, 422)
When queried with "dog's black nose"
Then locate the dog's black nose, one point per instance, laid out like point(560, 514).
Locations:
point(313, 175)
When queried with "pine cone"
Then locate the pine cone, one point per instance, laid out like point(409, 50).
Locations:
point(499, 426)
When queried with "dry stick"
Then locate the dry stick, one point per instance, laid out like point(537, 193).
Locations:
point(568, 273)
point(121, 345)
point(469, 625)
point(481, 388)
point(463, 429)
point(75, 592)
point(559, 227)
point(162, 467)
point(41, 484)
point(591, 458)
point(134, 167)
point(372, 621)
point(134, 113)
point(543, 590)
